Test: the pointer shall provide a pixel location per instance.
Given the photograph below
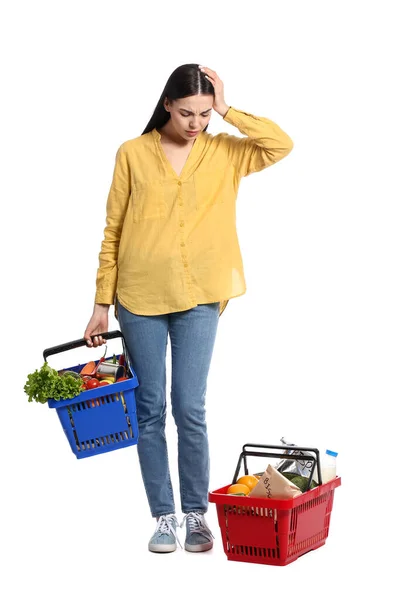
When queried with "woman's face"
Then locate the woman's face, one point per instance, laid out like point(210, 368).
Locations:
point(192, 113)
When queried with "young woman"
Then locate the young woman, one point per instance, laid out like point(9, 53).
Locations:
point(169, 262)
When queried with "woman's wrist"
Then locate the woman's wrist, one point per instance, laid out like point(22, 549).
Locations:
point(222, 110)
point(102, 307)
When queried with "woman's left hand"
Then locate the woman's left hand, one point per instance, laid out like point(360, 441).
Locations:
point(220, 106)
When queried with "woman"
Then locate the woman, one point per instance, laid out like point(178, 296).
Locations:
point(169, 262)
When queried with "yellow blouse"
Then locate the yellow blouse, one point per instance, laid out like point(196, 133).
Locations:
point(170, 242)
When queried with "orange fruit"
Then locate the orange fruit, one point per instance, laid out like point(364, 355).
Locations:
point(249, 480)
point(238, 488)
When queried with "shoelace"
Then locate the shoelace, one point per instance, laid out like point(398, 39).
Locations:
point(197, 523)
point(165, 525)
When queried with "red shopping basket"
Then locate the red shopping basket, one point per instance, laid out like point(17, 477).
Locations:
point(269, 531)
point(104, 418)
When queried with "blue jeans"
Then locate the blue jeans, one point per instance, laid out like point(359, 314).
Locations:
point(192, 333)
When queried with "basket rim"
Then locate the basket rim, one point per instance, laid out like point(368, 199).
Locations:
point(122, 386)
point(220, 496)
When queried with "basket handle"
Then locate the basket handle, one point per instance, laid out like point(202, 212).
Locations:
point(284, 447)
point(245, 453)
point(107, 335)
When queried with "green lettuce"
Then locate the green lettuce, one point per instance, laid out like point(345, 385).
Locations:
point(47, 383)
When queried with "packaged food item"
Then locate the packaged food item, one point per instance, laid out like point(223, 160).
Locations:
point(300, 466)
point(273, 484)
point(328, 466)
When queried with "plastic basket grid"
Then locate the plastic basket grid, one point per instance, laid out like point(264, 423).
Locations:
point(96, 421)
point(274, 532)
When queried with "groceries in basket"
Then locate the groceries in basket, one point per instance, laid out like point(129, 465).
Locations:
point(328, 466)
point(289, 478)
point(270, 484)
point(48, 383)
point(244, 485)
point(273, 484)
point(300, 469)
point(301, 466)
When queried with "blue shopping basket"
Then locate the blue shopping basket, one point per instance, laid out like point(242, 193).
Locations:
point(102, 419)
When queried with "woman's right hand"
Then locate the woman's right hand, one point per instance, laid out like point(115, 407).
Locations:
point(97, 324)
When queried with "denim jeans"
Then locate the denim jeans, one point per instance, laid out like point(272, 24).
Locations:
point(192, 333)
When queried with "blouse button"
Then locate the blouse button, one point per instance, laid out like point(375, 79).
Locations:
point(181, 223)
point(179, 182)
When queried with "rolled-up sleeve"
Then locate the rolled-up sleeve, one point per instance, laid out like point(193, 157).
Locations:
point(266, 143)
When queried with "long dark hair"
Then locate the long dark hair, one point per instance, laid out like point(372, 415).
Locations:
point(186, 80)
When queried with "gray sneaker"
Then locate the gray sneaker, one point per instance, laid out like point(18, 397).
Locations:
point(198, 534)
point(164, 538)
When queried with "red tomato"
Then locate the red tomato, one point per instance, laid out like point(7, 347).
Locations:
point(103, 383)
point(122, 378)
point(91, 384)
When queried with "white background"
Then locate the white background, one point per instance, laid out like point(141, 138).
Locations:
point(310, 352)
